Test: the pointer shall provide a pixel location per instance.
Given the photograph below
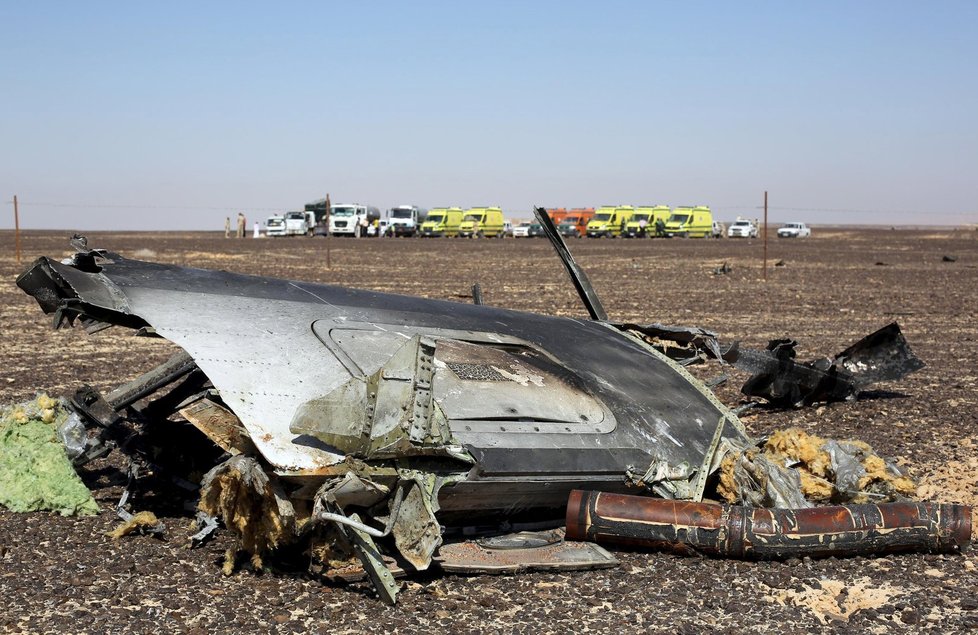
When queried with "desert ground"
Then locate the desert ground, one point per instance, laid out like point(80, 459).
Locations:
point(62, 574)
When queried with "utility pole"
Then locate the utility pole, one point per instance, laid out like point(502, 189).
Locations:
point(765, 235)
point(17, 230)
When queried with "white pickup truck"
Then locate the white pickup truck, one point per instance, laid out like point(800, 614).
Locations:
point(742, 228)
point(794, 230)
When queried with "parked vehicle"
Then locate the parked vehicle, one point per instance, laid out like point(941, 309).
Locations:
point(442, 221)
point(794, 230)
point(535, 231)
point(275, 226)
point(405, 220)
point(609, 221)
point(635, 228)
point(574, 223)
point(718, 229)
point(484, 222)
point(690, 222)
point(299, 223)
point(742, 228)
point(522, 230)
point(507, 228)
point(351, 219)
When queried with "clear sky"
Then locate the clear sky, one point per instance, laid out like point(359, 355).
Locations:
point(174, 115)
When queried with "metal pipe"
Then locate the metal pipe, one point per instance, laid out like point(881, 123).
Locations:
point(754, 532)
point(343, 520)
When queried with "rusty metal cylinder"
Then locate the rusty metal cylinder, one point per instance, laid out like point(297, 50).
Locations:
point(755, 532)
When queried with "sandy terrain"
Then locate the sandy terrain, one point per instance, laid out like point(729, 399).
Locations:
point(63, 575)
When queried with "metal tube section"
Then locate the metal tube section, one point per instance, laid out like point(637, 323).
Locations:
point(762, 533)
point(343, 520)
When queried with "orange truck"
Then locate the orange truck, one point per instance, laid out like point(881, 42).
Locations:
point(571, 222)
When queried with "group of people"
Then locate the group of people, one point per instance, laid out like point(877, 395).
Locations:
point(242, 225)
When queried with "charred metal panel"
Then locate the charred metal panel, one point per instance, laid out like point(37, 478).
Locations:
point(270, 347)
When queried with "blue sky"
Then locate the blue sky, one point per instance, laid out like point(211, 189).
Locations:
point(172, 116)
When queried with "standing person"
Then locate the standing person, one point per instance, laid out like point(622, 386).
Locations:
point(660, 228)
point(642, 222)
point(241, 226)
point(227, 226)
point(257, 233)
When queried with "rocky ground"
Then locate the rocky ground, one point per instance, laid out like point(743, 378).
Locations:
point(64, 575)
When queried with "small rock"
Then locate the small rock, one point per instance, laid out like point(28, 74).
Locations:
point(910, 616)
point(280, 618)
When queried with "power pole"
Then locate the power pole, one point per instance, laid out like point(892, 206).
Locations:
point(17, 230)
point(765, 235)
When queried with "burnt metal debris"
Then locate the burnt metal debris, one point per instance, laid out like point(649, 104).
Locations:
point(385, 430)
point(768, 533)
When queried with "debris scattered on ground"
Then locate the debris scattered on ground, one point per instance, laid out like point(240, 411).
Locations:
point(780, 263)
point(836, 600)
point(35, 472)
point(137, 523)
point(883, 355)
point(722, 270)
point(948, 258)
point(794, 469)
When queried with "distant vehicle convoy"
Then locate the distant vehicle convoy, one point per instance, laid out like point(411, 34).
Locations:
point(794, 230)
point(609, 221)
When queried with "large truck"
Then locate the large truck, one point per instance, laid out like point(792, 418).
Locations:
point(442, 221)
point(635, 228)
point(275, 226)
point(574, 222)
point(405, 220)
point(690, 222)
point(609, 221)
point(482, 221)
point(351, 219)
point(299, 223)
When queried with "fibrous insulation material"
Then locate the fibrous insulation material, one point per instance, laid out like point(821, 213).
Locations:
point(795, 469)
point(240, 493)
point(35, 473)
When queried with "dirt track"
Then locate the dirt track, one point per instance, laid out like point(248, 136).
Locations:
point(60, 574)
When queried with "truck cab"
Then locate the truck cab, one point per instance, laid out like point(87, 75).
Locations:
point(404, 220)
point(275, 226)
point(649, 214)
point(574, 223)
point(351, 219)
point(297, 223)
point(690, 222)
point(442, 221)
point(482, 221)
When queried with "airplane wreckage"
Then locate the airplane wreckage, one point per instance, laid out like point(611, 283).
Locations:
point(383, 433)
